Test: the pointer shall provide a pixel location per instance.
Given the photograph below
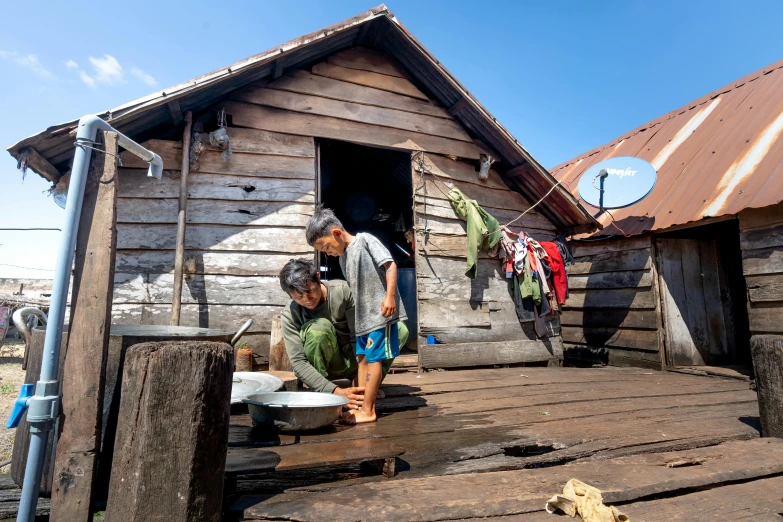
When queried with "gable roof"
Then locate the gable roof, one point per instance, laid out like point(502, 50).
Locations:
point(49, 153)
point(715, 156)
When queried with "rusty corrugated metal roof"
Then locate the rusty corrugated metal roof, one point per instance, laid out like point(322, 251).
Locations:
point(715, 156)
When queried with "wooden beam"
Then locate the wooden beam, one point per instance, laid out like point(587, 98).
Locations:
point(362, 33)
point(175, 111)
point(279, 69)
point(30, 158)
point(457, 107)
point(488, 354)
point(179, 256)
point(85, 359)
point(767, 354)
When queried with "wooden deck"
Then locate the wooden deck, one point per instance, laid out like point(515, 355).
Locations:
point(497, 443)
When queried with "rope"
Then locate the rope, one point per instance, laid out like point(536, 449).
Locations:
point(88, 144)
point(418, 157)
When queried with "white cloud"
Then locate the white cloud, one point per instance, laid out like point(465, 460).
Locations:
point(143, 76)
point(71, 64)
point(86, 78)
point(28, 61)
point(107, 71)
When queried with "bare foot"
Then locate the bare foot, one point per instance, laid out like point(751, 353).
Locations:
point(379, 394)
point(357, 417)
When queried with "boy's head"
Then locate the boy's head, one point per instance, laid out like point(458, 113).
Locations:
point(325, 233)
point(299, 278)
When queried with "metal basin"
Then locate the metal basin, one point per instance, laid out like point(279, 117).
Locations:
point(294, 411)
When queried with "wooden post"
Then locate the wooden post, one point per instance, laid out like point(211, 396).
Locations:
point(179, 256)
point(767, 353)
point(278, 357)
point(85, 358)
point(172, 434)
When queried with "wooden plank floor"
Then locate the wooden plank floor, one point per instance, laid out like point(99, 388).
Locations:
point(476, 423)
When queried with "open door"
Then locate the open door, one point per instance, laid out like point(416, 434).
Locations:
point(370, 190)
point(694, 303)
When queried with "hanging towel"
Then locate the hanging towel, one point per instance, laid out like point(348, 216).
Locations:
point(559, 278)
point(483, 230)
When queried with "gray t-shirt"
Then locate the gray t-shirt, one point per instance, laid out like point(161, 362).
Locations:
point(362, 264)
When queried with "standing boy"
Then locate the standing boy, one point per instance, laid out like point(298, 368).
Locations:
point(372, 275)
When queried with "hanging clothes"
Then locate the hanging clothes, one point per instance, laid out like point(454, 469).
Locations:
point(529, 287)
point(483, 229)
point(565, 251)
point(559, 277)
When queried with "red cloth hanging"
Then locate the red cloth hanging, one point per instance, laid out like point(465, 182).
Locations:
point(559, 277)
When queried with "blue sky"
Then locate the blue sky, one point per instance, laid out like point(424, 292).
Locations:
point(562, 76)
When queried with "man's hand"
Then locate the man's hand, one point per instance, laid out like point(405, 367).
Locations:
point(355, 395)
point(389, 306)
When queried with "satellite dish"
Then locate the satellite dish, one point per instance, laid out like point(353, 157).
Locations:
point(626, 180)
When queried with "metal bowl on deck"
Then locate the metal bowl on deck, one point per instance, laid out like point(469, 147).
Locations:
point(294, 411)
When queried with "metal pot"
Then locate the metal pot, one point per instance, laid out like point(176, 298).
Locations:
point(294, 411)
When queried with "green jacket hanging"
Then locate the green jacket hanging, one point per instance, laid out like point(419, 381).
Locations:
point(528, 286)
point(483, 230)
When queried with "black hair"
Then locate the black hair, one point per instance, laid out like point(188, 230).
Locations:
point(296, 274)
point(321, 224)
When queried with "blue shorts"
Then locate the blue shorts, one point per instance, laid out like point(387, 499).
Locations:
point(380, 345)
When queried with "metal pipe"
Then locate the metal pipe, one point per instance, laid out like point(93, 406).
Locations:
point(603, 175)
point(179, 255)
point(44, 407)
point(20, 320)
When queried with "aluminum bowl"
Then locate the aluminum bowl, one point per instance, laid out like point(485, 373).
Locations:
point(294, 411)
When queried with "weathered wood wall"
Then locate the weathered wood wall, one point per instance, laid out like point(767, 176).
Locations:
point(246, 216)
point(612, 314)
point(452, 307)
point(761, 240)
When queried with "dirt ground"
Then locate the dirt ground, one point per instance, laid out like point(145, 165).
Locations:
point(11, 378)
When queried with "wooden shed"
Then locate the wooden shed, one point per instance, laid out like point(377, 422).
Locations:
point(686, 276)
point(358, 116)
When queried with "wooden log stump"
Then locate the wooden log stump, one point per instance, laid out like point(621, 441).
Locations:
point(172, 433)
point(278, 358)
point(290, 382)
point(767, 353)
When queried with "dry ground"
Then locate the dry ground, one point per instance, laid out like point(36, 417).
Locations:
point(11, 378)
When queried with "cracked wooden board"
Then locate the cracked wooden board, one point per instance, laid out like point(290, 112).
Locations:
point(525, 491)
point(757, 500)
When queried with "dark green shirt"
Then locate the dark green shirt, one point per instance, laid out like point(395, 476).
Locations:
point(339, 309)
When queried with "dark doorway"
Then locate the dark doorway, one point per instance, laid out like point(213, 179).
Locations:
point(371, 190)
point(704, 296)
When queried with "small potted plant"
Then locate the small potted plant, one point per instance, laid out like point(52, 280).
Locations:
point(243, 357)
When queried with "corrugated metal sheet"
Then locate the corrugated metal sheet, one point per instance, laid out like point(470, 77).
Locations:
point(378, 27)
point(715, 156)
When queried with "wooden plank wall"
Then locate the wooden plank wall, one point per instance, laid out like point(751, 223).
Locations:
point(246, 218)
point(761, 240)
point(246, 215)
point(453, 307)
point(612, 314)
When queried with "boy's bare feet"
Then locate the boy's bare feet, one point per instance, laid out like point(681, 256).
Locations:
point(357, 417)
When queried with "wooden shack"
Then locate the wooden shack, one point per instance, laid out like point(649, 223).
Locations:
point(358, 116)
point(686, 276)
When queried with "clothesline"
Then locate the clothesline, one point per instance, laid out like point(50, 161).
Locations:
point(425, 168)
